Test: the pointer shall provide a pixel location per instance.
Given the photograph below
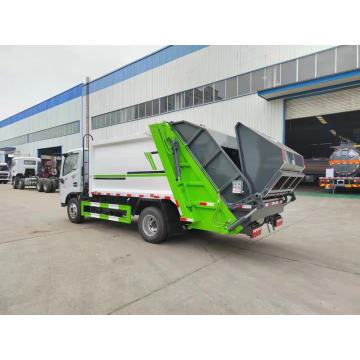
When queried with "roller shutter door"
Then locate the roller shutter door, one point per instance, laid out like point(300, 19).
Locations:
point(329, 103)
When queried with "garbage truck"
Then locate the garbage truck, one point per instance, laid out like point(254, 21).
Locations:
point(181, 176)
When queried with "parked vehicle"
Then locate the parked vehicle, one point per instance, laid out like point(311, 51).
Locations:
point(345, 162)
point(41, 173)
point(182, 176)
point(4, 173)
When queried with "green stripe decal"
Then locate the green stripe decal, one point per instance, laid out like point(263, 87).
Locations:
point(150, 159)
point(116, 176)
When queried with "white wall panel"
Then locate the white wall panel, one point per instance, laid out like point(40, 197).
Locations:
point(67, 143)
point(58, 115)
point(199, 68)
point(251, 110)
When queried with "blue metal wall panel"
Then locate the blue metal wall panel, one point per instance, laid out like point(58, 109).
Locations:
point(140, 66)
point(65, 96)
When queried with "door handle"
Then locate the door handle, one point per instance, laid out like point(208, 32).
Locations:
point(62, 180)
point(75, 184)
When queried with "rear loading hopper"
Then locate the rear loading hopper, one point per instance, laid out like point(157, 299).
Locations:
point(253, 174)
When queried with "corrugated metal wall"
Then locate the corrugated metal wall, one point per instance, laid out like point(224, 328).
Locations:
point(329, 103)
point(200, 68)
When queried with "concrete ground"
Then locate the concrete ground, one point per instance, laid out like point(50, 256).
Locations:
point(51, 266)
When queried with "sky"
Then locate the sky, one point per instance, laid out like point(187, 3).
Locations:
point(31, 74)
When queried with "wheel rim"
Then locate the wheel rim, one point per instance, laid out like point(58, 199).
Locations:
point(150, 225)
point(73, 210)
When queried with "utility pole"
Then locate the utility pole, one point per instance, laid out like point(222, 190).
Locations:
point(87, 111)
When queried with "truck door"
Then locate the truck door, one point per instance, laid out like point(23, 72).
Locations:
point(70, 178)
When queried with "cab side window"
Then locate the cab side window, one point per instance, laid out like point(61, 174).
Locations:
point(70, 163)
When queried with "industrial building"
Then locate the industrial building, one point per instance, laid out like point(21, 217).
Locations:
point(305, 96)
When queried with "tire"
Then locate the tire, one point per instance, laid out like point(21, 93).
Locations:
point(152, 225)
point(40, 186)
point(15, 183)
point(21, 184)
point(53, 186)
point(47, 186)
point(74, 211)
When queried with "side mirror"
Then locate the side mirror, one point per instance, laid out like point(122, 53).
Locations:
point(62, 180)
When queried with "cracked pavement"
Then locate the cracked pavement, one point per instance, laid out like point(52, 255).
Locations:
point(50, 266)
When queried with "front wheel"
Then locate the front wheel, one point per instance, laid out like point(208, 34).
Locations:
point(152, 225)
point(74, 211)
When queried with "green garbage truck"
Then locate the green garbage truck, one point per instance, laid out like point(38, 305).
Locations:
point(181, 176)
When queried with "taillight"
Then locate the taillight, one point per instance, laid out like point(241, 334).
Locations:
point(255, 232)
point(279, 222)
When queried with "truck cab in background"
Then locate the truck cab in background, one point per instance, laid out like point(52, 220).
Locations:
point(4, 173)
point(23, 167)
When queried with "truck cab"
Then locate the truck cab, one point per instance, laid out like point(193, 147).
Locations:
point(71, 175)
point(4, 173)
point(23, 167)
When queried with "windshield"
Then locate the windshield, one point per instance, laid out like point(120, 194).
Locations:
point(4, 168)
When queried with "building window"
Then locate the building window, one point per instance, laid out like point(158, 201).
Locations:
point(156, 107)
point(148, 108)
point(346, 58)
point(141, 110)
point(199, 96)
point(231, 87)
point(130, 112)
point(244, 84)
point(288, 72)
point(123, 115)
point(272, 76)
point(136, 112)
point(179, 101)
point(258, 80)
point(189, 98)
point(208, 93)
point(325, 64)
point(112, 118)
point(219, 88)
point(306, 69)
point(171, 103)
point(163, 105)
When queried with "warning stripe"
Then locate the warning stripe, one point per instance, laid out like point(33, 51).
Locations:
point(343, 162)
point(104, 217)
point(186, 219)
point(128, 195)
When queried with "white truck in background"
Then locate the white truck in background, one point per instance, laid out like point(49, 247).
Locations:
point(4, 173)
point(41, 173)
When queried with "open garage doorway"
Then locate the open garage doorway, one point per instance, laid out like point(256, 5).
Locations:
point(316, 137)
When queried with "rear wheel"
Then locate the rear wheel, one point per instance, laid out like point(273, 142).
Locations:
point(74, 211)
point(15, 183)
point(152, 225)
point(21, 184)
point(40, 186)
point(47, 185)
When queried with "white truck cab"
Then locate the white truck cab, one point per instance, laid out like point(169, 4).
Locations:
point(23, 167)
point(71, 175)
point(4, 173)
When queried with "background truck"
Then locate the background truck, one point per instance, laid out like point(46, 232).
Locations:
point(345, 162)
point(41, 173)
point(183, 176)
point(4, 173)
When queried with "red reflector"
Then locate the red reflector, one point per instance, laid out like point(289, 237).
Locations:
point(279, 222)
point(255, 232)
point(202, 203)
